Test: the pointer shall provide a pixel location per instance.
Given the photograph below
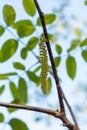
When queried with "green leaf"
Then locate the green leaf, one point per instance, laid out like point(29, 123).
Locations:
point(24, 53)
point(58, 49)
point(9, 74)
point(1, 117)
point(1, 30)
point(46, 89)
point(1, 57)
point(8, 49)
point(18, 65)
point(2, 88)
point(17, 124)
point(84, 55)
point(32, 43)
point(24, 28)
point(12, 74)
point(83, 43)
point(85, 2)
point(9, 15)
point(57, 61)
point(29, 7)
point(71, 66)
point(5, 76)
point(14, 90)
point(49, 18)
point(22, 87)
point(74, 44)
point(33, 77)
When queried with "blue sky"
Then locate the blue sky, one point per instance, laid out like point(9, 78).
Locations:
point(80, 11)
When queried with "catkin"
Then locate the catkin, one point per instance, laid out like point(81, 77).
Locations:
point(44, 63)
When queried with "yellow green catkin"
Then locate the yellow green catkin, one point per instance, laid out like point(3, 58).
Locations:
point(43, 61)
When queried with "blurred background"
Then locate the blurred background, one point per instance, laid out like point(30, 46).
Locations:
point(70, 24)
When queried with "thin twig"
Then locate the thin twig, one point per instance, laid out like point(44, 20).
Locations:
point(70, 110)
point(59, 89)
point(69, 107)
point(41, 14)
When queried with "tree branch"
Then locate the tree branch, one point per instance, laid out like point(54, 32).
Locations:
point(54, 113)
point(59, 89)
point(32, 108)
point(41, 14)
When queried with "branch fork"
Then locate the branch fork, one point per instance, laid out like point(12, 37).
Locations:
point(61, 114)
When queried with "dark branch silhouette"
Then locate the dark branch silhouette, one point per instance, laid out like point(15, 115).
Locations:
point(61, 95)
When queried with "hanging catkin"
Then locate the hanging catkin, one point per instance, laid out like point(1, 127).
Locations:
point(44, 62)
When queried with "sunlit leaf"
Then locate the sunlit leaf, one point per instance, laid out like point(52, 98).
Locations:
point(46, 89)
point(29, 7)
point(84, 55)
point(18, 65)
point(24, 28)
point(17, 124)
point(8, 49)
point(32, 43)
point(1, 117)
point(74, 44)
point(2, 88)
point(58, 49)
point(9, 15)
point(71, 66)
point(57, 61)
point(14, 90)
point(33, 77)
point(1, 30)
point(83, 43)
point(22, 87)
point(49, 18)
point(24, 53)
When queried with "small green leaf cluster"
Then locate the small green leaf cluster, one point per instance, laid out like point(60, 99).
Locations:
point(71, 61)
point(27, 28)
point(24, 28)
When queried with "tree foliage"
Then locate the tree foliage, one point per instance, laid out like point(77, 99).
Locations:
point(25, 41)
